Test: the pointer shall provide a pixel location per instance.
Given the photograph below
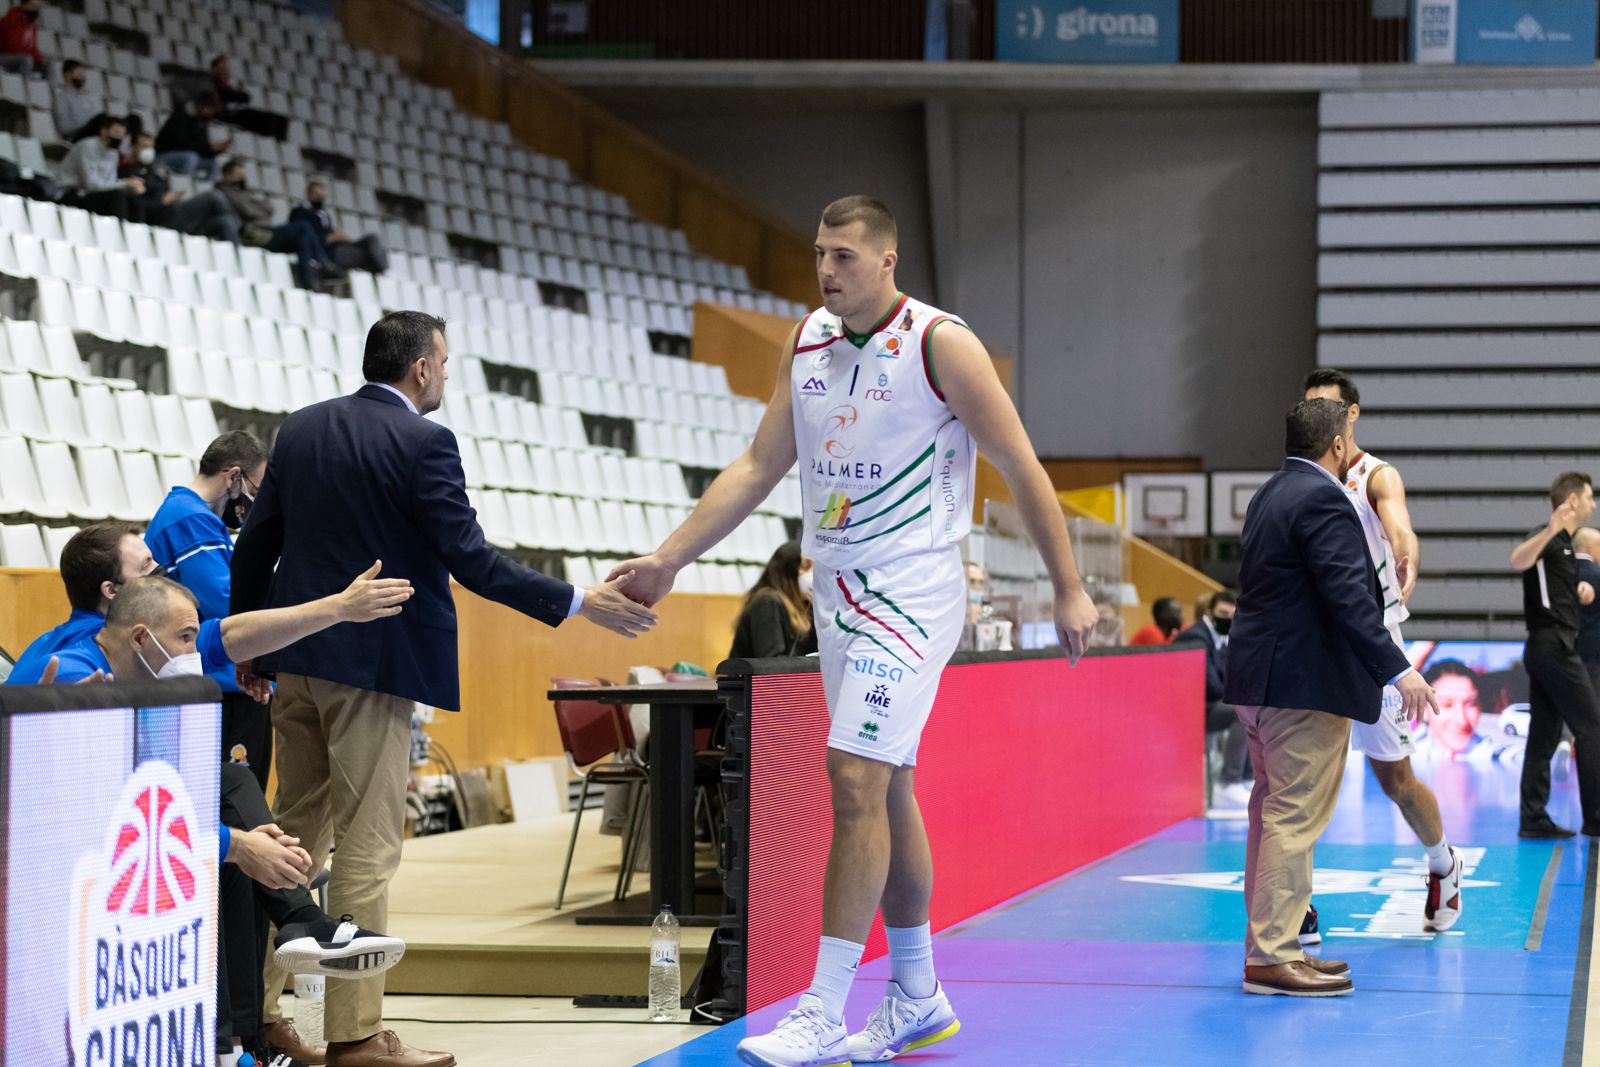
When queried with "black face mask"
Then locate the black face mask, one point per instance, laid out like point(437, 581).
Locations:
point(31, 16)
point(77, 83)
point(235, 510)
point(1223, 625)
point(115, 143)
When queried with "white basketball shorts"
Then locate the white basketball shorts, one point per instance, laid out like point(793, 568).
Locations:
point(884, 636)
point(1389, 739)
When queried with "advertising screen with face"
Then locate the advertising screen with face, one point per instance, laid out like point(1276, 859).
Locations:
point(110, 885)
point(1482, 691)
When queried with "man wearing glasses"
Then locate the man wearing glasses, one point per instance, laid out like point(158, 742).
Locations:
point(189, 536)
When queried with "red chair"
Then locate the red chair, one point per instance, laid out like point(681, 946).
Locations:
point(590, 732)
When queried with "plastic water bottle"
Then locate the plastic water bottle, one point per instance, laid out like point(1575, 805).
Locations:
point(665, 977)
point(308, 991)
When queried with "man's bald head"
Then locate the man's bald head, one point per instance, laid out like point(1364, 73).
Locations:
point(151, 621)
point(1587, 541)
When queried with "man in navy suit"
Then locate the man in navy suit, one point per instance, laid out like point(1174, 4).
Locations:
point(1307, 654)
point(351, 480)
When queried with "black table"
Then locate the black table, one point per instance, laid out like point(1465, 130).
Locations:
point(672, 708)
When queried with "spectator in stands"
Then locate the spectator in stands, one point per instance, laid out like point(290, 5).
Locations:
point(188, 535)
point(72, 105)
point(777, 609)
point(19, 39)
point(365, 253)
point(234, 100)
point(89, 174)
point(205, 214)
point(297, 237)
point(1168, 620)
point(184, 144)
point(96, 564)
point(1108, 626)
point(1231, 789)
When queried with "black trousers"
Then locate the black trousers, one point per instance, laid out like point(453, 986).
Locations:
point(120, 202)
point(244, 908)
point(1235, 746)
point(1561, 692)
point(247, 740)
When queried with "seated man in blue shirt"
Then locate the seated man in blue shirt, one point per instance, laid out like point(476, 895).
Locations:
point(153, 628)
point(97, 562)
point(188, 535)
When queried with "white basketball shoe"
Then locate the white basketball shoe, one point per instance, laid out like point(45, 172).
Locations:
point(806, 1037)
point(900, 1024)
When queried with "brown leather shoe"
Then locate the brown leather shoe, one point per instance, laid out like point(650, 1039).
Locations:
point(1327, 966)
point(282, 1035)
point(384, 1049)
point(1294, 979)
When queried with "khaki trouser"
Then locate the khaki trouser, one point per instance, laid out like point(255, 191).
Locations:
point(1299, 758)
point(343, 759)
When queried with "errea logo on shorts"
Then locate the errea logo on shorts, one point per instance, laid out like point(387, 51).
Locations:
point(869, 731)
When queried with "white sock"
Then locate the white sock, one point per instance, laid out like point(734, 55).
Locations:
point(836, 969)
point(1439, 861)
point(911, 959)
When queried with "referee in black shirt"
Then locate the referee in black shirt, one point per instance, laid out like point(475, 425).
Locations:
point(1560, 689)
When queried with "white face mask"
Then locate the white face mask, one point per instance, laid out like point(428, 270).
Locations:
point(147, 155)
point(184, 666)
point(805, 585)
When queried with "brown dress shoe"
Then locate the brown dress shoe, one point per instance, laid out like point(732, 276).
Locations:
point(282, 1035)
point(1327, 966)
point(1295, 979)
point(384, 1049)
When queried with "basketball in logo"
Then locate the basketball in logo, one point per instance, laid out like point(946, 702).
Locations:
point(152, 862)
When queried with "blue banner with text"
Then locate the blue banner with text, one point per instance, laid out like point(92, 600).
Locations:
point(1527, 32)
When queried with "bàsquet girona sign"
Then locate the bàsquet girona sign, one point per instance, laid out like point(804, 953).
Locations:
point(143, 952)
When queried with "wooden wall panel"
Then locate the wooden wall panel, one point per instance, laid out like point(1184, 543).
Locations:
point(507, 659)
point(718, 228)
point(31, 602)
point(748, 344)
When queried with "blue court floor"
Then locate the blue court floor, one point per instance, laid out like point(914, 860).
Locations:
point(1136, 961)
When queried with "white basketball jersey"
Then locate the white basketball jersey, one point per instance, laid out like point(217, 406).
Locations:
point(1358, 486)
point(886, 470)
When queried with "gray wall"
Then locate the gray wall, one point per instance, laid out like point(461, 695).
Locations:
point(1151, 266)
point(796, 162)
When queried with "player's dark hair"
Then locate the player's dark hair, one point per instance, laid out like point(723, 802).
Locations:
point(396, 341)
point(236, 448)
point(1567, 484)
point(93, 557)
point(1326, 376)
point(1221, 596)
point(875, 214)
point(1311, 426)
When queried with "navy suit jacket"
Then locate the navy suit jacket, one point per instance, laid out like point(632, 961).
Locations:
point(357, 479)
point(1309, 630)
point(1199, 636)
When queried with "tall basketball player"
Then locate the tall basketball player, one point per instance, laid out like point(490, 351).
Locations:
point(885, 401)
point(1379, 497)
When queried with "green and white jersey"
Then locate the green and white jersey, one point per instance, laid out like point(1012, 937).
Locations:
point(886, 470)
point(1358, 486)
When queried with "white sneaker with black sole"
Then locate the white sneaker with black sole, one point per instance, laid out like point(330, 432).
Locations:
point(1443, 907)
point(336, 949)
point(1309, 934)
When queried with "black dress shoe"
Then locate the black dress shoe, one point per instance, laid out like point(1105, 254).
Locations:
point(1546, 830)
point(1591, 829)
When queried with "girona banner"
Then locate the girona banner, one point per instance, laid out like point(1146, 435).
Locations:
point(110, 878)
